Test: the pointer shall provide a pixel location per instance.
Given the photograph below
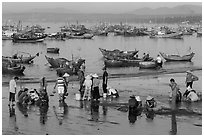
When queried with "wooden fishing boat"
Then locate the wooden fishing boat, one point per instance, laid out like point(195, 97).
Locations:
point(20, 59)
point(56, 63)
point(117, 54)
point(122, 63)
point(9, 68)
point(85, 36)
point(172, 36)
point(118, 32)
point(53, 50)
point(19, 39)
point(72, 68)
point(177, 57)
point(148, 65)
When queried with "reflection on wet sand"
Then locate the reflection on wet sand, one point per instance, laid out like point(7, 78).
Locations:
point(12, 119)
point(173, 124)
point(61, 111)
point(43, 113)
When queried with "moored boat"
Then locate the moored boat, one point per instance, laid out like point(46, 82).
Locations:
point(148, 65)
point(122, 63)
point(53, 50)
point(20, 59)
point(19, 39)
point(177, 57)
point(56, 63)
point(117, 54)
point(85, 36)
point(9, 68)
point(172, 35)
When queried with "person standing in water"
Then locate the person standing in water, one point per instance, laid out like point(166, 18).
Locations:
point(105, 80)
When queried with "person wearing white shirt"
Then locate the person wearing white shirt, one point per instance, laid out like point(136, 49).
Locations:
point(159, 60)
point(12, 90)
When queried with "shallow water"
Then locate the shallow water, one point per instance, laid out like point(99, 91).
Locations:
point(89, 49)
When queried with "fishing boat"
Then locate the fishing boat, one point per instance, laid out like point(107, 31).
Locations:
point(118, 54)
point(71, 68)
point(12, 68)
point(16, 58)
point(56, 63)
point(53, 50)
point(21, 39)
point(122, 63)
point(172, 36)
point(177, 57)
point(85, 36)
point(148, 65)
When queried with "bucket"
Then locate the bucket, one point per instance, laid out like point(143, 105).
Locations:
point(77, 96)
point(104, 95)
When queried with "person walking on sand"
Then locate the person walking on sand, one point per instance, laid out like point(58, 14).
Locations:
point(87, 84)
point(190, 78)
point(66, 79)
point(81, 81)
point(43, 84)
point(105, 80)
point(96, 83)
point(12, 90)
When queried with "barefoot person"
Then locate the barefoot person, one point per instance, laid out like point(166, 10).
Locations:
point(12, 90)
point(105, 80)
point(190, 78)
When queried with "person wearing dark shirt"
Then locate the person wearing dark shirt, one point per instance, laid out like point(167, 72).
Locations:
point(105, 80)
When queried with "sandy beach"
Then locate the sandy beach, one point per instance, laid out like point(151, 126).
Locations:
point(77, 117)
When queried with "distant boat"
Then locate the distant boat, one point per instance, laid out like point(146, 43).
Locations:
point(85, 36)
point(172, 36)
point(20, 39)
point(177, 57)
point(53, 50)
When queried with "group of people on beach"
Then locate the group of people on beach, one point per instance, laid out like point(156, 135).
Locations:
point(175, 96)
point(89, 90)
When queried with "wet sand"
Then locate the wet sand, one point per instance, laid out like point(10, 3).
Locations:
point(78, 117)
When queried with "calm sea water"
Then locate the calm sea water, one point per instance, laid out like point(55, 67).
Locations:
point(89, 49)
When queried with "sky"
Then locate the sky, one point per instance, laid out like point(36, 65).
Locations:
point(90, 7)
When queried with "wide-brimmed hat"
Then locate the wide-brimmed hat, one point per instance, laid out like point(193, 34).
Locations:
point(95, 75)
point(149, 98)
point(138, 98)
point(188, 71)
point(66, 75)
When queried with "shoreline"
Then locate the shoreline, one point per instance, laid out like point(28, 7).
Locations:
point(112, 76)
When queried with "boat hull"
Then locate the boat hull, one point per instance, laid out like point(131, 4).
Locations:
point(121, 63)
point(177, 57)
point(148, 65)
